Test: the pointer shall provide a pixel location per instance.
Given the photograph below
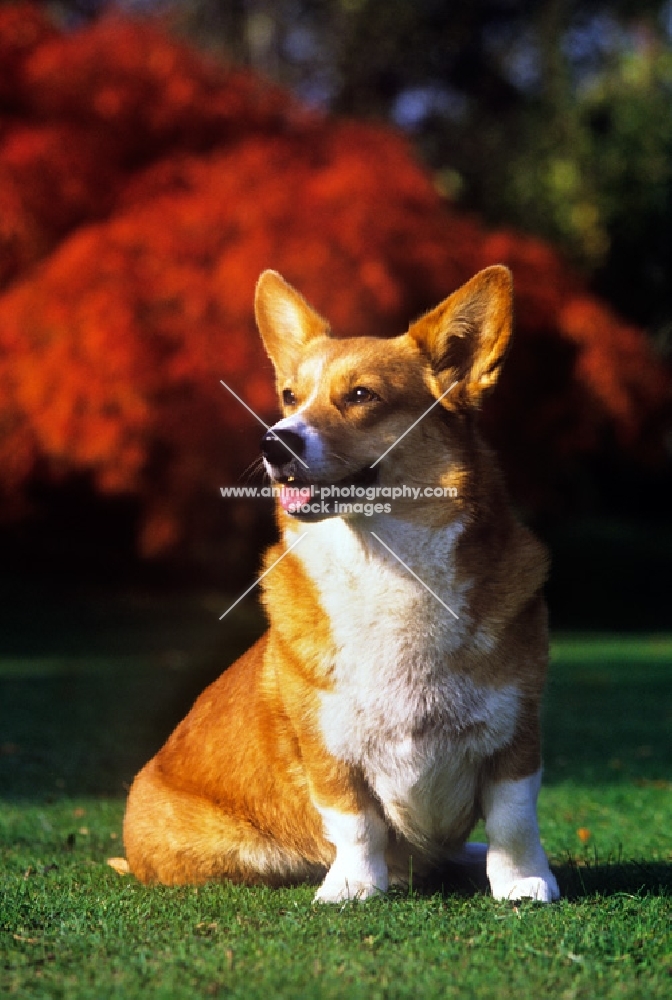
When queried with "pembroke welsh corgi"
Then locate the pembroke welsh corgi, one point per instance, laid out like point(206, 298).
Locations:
point(394, 699)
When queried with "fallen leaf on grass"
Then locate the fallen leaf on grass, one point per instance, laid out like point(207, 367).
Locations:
point(584, 834)
point(120, 865)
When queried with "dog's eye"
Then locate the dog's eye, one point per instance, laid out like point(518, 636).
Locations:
point(361, 394)
point(288, 397)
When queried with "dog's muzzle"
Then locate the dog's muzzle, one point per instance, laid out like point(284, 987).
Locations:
point(301, 494)
point(281, 447)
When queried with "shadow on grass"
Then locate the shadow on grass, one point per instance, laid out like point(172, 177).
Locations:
point(632, 878)
point(576, 880)
point(608, 708)
point(77, 723)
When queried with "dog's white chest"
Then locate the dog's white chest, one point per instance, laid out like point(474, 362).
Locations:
point(420, 745)
point(417, 729)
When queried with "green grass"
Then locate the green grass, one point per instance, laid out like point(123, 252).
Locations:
point(74, 728)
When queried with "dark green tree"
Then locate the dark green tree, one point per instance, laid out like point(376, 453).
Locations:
point(550, 115)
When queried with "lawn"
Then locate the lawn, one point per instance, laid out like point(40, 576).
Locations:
point(79, 716)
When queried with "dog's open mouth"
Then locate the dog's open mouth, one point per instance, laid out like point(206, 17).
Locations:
point(312, 500)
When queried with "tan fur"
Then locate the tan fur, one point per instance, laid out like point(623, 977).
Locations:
point(350, 705)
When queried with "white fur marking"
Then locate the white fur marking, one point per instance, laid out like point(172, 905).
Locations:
point(414, 575)
point(516, 865)
point(417, 729)
point(359, 869)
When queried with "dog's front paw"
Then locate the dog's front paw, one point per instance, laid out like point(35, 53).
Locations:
point(544, 889)
point(344, 891)
point(339, 887)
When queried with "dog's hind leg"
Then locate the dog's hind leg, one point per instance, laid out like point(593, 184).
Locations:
point(177, 837)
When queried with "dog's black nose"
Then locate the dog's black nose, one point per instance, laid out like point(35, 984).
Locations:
point(281, 446)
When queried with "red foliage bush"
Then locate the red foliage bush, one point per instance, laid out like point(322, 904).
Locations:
point(23, 30)
point(142, 191)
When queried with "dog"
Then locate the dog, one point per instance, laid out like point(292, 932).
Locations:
point(394, 699)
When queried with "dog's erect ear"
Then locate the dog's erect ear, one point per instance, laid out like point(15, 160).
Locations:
point(286, 322)
point(466, 336)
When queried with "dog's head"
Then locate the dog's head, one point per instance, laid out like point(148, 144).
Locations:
point(362, 411)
